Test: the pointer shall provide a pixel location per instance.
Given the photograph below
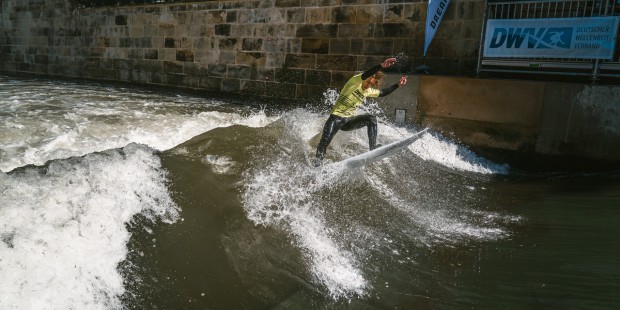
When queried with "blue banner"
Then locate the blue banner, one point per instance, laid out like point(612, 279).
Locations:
point(436, 10)
point(572, 38)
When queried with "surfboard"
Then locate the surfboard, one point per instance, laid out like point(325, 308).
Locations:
point(380, 152)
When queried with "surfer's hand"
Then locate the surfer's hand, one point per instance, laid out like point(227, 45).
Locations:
point(403, 81)
point(388, 62)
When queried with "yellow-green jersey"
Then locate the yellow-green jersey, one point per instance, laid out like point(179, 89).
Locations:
point(351, 96)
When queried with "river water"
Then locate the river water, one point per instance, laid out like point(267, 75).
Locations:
point(127, 198)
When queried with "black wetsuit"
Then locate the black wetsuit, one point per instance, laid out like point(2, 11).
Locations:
point(336, 122)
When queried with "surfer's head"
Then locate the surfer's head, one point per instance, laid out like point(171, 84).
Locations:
point(375, 80)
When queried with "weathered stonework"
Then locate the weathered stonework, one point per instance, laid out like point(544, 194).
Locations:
point(274, 48)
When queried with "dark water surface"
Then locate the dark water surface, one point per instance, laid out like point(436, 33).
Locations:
point(131, 198)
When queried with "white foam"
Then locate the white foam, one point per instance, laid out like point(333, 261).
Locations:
point(220, 164)
point(432, 147)
point(50, 121)
point(76, 137)
point(63, 229)
point(275, 197)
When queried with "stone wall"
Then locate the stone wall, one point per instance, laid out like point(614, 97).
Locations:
point(273, 48)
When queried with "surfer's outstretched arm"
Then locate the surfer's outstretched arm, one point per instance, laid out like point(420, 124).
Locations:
point(385, 64)
point(387, 90)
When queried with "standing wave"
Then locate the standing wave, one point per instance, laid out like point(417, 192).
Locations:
point(63, 227)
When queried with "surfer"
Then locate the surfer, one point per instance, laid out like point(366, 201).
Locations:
point(353, 93)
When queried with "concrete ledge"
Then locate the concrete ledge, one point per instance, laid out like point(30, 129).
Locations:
point(529, 119)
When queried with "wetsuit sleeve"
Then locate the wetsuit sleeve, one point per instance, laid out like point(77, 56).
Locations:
point(386, 91)
point(368, 73)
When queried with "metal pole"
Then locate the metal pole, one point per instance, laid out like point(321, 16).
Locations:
point(596, 71)
point(482, 34)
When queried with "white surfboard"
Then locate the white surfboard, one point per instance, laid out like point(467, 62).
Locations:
point(380, 152)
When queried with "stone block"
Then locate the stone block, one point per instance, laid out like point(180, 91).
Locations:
point(393, 30)
point(195, 69)
point(41, 59)
point(366, 62)
point(369, 14)
point(410, 47)
point(231, 16)
point(274, 45)
point(310, 93)
point(263, 74)
point(198, 31)
point(97, 52)
point(276, 16)
point(177, 79)
point(336, 62)
point(449, 30)
point(317, 31)
point(167, 54)
point(136, 53)
point(471, 29)
point(379, 47)
point(293, 45)
point(168, 43)
point(216, 17)
point(355, 30)
point(231, 85)
point(316, 46)
point(296, 76)
point(151, 30)
point(252, 44)
point(287, 3)
point(227, 56)
point(39, 68)
point(394, 13)
point(173, 67)
point(339, 46)
point(242, 72)
point(136, 31)
point(201, 43)
point(216, 70)
point(251, 58)
point(343, 14)
point(269, 30)
point(357, 46)
point(144, 42)
point(185, 55)
point(125, 42)
point(158, 78)
point(258, 88)
point(321, 15)
point(148, 65)
point(275, 60)
point(120, 20)
point(281, 90)
point(295, 15)
point(242, 30)
point(222, 30)
point(252, 16)
point(227, 44)
point(306, 61)
point(166, 30)
point(318, 77)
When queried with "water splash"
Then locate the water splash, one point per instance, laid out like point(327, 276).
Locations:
point(64, 227)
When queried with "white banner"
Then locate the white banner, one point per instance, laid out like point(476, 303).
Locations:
point(436, 10)
point(591, 37)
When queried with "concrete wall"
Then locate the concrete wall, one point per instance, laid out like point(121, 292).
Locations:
point(278, 48)
point(522, 117)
